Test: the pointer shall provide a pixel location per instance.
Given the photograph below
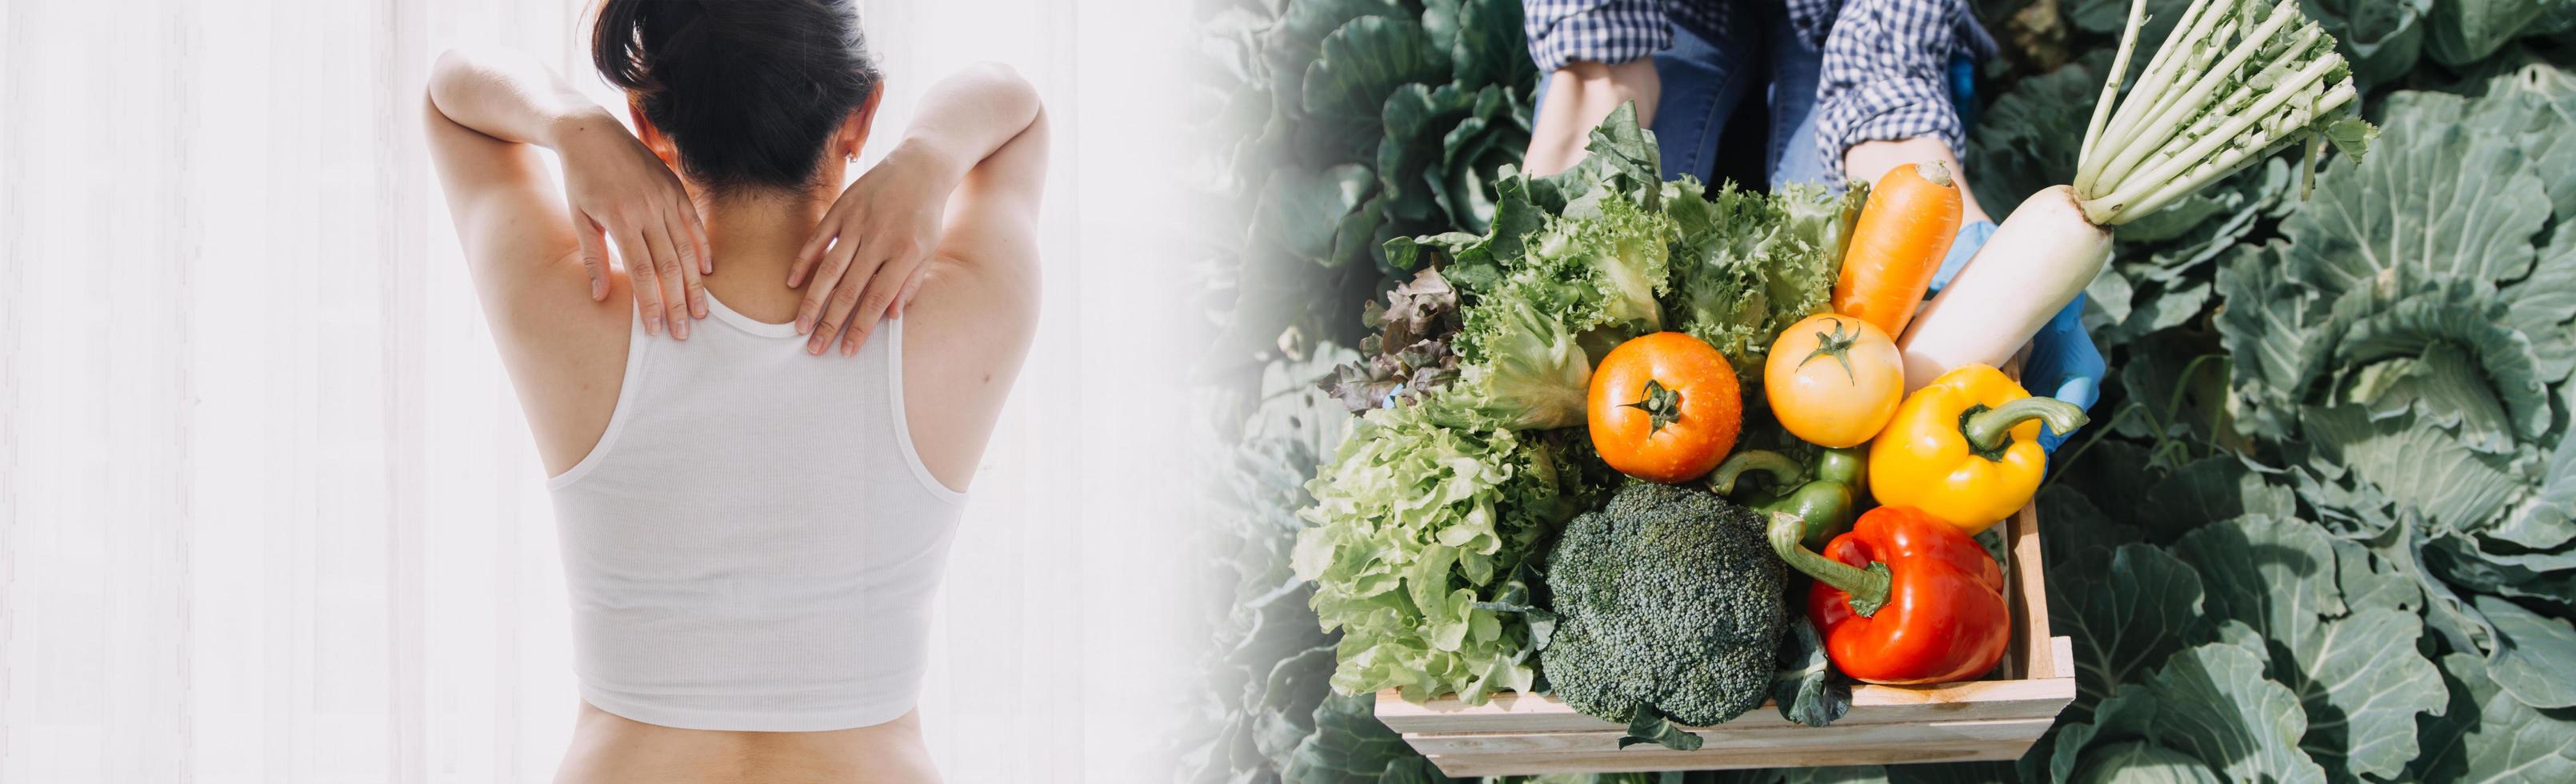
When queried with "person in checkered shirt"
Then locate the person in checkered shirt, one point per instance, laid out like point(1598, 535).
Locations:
point(1855, 87)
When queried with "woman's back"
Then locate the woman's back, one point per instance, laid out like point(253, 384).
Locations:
point(753, 543)
point(753, 522)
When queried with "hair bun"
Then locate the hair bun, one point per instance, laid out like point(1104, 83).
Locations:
point(748, 91)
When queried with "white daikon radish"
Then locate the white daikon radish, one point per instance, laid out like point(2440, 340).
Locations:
point(2236, 81)
point(1995, 303)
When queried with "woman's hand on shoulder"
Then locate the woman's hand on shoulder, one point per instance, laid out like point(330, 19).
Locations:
point(867, 256)
point(620, 191)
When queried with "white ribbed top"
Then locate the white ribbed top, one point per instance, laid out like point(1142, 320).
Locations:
point(753, 544)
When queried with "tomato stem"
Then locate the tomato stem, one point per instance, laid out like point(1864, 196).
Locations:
point(1837, 345)
point(1662, 404)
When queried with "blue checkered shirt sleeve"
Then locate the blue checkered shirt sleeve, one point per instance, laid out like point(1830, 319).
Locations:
point(1882, 76)
point(1602, 31)
point(1811, 18)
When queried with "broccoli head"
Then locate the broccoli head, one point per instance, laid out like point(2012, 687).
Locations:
point(1669, 599)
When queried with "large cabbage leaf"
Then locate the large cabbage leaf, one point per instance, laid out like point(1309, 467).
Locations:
point(2383, 38)
point(2425, 470)
point(2208, 703)
point(1350, 746)
point(1263, 680)
point(2442, 199)
point(2354, 666)
point(2127, 610)
point(2461, 32)
point(1361, 64)
point(2278, 332)
point(2488, 736)
point(2534, 657)
point(2449, 355)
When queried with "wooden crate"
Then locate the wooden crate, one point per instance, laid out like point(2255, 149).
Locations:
point(1518, 734)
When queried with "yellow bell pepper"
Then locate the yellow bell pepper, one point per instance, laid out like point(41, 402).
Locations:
point(1965, 448)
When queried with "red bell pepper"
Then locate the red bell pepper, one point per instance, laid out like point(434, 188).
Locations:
point(1904, 598)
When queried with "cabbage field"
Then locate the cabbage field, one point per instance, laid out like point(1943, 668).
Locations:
point(2321, 528)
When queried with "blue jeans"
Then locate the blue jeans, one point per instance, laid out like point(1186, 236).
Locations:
point(1705, 78)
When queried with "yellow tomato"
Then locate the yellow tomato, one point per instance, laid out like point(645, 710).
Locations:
point(1833, 380)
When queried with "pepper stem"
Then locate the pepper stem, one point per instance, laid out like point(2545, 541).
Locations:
point(1782, 470)
point(1989, 430)
point(1868, 588)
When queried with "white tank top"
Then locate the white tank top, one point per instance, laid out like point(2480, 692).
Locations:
point(753, 544)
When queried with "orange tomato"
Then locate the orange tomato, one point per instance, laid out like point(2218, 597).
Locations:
point(1664, 407)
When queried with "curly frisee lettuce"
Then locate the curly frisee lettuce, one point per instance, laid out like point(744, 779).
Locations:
point(1418, 529)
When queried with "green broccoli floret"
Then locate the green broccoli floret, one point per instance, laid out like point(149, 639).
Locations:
point(1668, 599)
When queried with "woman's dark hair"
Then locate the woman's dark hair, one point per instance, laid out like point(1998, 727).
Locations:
point(749, 91)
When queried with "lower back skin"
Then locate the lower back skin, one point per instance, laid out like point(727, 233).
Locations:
point(607, 748)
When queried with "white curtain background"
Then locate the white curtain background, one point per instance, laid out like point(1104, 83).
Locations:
point(269, 512)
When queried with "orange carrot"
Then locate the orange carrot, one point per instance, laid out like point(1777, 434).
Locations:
point(1903, 232)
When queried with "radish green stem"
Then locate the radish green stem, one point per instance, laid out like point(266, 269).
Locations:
point(2111, 87)
point(2188, 45)
point(2176, 93)
point(2132, 189)
point(2161, 68)
point(2225, 164)
point(2247, 90)
point(2234, 82)
point(2166, 125)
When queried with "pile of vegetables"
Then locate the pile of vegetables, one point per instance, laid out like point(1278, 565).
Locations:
point(1575, 321)
point(1520, 352)
point(2321, 427)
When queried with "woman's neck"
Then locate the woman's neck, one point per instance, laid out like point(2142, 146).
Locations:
point(754, 240)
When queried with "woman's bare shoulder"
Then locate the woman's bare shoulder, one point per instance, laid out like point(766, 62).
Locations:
point(982, 313)
point(566, 354)
point(965, 337)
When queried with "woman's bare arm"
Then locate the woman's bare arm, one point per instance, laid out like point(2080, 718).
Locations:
point(1579, 96)
point(963, 184)
point(616, 186)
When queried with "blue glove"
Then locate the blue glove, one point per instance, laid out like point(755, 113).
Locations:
point(2062, 360)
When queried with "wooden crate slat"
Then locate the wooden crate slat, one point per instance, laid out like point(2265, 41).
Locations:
point(1731, 738)
point(2029, 599)
point(1633, 760)
point(1871, 704)
point(1522, 734)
